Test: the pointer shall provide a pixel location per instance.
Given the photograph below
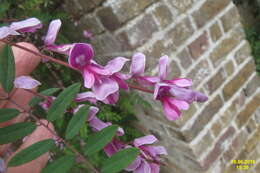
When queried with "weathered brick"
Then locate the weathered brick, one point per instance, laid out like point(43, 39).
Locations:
point(252, 86)
point(163, 15)
point(219, 147)
point(125, 9)
point(181, 32)
point(204, 144)
point(208, 10)
point(250, 108)
point(215, 32)
point(181, 5)
point(174, 70)
point(175, 134)
point(257, 167)
point(243, 53)
point(228, 155)
point(251, 126)
point(185, 58)
point(106, 45)
point(226, 118)
point(90, 23)
point(216, 128)
point(199, 46)
point(141, 31)
point(108, 18)
point(215, 81)
point(206, 115)
point(253, 141)
point(239, 141)
point(235, 84)
point(230, 19)
point(186, 116)
point(229, 68)
point(200, 72)
point(224, 48)
point(78, 7)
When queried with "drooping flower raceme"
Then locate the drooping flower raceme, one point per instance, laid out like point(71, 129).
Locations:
point(175, 94)
point(27, 25)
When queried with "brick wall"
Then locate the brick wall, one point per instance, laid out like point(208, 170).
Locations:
point(206, 42)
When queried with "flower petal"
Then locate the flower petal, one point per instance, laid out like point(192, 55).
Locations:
point(92, 112)
point(200, 97)
point(149, 139)
point(182, 105)
point(116, 64)
point(89, 78)
point(53, 30)
point(163, 62)
point(63, 48)
point(133, 166)
point(6, 31)
point(105, 88)
point(96, 124)
point(160, 89)
point(86, 96)
point(138, 64)
point(111, 99)
point(26, 82)
point(87, 34)
point(155, 150)
point(96, 68)
point(113, 147)
point(80, 55)
point(27, 25)
point(182, 94)
point(182, 82)
point(120, 80)
point(155, 168)
point(170, 110)
point(143, 168)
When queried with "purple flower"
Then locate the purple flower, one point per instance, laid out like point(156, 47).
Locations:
point(96, 124)
point(28, 25)
point(175, 95)
point(137, 69)
point(46, 104)
point(104, 81)
point(26, 82)
point(49, 39)
point(148, 153)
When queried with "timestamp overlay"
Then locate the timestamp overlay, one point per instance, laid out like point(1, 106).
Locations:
point(243, 164)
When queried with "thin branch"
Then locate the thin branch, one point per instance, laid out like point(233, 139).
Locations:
point(86, 162)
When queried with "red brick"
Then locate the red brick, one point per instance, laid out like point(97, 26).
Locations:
point(199, 46)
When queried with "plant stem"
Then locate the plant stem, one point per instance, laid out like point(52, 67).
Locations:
point(86, 162)
point(66, 64)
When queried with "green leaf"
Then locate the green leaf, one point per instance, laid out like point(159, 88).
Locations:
point(8, 114)
point(61, 165)
point(77, 122)
point(32, 152)
point(62, 102)
point(35, 100)
point(15, 131)
point(7, 68)
point(120, 160)
point(100, 139)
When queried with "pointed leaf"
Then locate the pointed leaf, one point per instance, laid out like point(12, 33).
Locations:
point(7, 68)
point(100, 139)
point(120, 160)
point(61, 165)
point(62, 102)
point(15, 131)
point(77, 122)
point(8, 114)
point(35, 100)
point(32, 152)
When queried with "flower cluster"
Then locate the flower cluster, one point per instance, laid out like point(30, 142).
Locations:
point(148, 160)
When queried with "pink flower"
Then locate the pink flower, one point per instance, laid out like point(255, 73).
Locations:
point(137, 69)
point(96, 124)
point(26, 82)
point(46, 104)
point(27, 25)
point(49, 39)
point(104, 81)
point(148, 153)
